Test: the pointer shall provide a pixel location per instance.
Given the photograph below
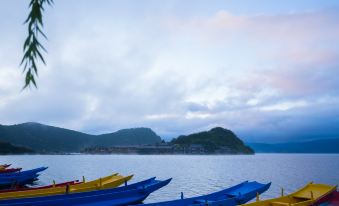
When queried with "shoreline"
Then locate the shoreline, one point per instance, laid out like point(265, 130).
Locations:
point(131, 154)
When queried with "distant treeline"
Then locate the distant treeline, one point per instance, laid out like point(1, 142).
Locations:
point(216, 141)
point(7, 148)
point(47, 139)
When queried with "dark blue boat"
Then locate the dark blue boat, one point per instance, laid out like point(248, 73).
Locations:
point(19, 178)
point(9, 182)
point(238, 194)
point(130, 194)
point(23, 173)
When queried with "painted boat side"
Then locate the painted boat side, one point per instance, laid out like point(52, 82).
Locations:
point(111, 181)
point(138, 185)
point(10, 170)
point(23, 173)
point(112, 197)
point(331, 200)
point(10, 181)
point(234, 195)
point(41, 187)
point(305, 196)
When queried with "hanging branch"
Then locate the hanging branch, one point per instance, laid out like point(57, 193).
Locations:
point(32, 47)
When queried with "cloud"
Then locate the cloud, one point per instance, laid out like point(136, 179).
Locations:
point(267, 77)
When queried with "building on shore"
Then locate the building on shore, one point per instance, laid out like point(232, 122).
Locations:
point(162, 148)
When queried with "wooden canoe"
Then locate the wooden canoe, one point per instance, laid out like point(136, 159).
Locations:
point(10, 181)
point(238, 194)
point(305, 196)
point(331, 200)
point(20, 188)
point(125, 195)
point(23, 173)
point(111, 181)
point(5, 166)
point(9, 170)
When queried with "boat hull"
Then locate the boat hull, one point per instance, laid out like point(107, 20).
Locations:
point(10, 170)
point(330, 200)
point(17, 189)
point(4, 166)
point(306, 196)
point(111, 181)
point(8, 182)
point(23, 173)
point(232, 196)
point(131, 194)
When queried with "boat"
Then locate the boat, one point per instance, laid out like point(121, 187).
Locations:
point(232, 196)
point(15, 179)
point(308, 195)
point(330, 200)
point(125, 195)
point(20, 188)
point(8, 182)
point(9, 170)
point(111, 181)
point(5, 165)
point(23, 173)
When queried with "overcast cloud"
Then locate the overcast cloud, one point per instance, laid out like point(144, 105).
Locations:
point(267, 71)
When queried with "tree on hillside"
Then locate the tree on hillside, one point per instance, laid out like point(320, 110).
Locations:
point(32, 47)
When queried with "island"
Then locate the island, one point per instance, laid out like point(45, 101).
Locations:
point(215, 141)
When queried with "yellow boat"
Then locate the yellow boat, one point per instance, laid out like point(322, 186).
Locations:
point(305, 196)
point(111, 181)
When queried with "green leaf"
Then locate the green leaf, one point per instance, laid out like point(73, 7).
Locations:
point(40, 56)
point(32, 47)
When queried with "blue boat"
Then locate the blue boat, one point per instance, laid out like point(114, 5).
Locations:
point(19, 178)
point(125, 195)
point(238, 194)
point(8, 182)
point(23, 173)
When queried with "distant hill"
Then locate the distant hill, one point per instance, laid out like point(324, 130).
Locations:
point(134, 136)
point(44, 138)
point(316, 146)
point(7, 148)
point(216, 140)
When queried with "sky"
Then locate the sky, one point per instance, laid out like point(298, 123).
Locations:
point(267, 70)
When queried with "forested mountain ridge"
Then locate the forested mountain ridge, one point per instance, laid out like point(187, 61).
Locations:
point(44, 138)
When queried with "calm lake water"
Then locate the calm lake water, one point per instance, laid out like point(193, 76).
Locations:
point(192, 174)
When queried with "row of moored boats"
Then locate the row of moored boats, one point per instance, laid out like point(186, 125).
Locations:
point(113, 190)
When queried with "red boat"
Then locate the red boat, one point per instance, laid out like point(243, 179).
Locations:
point(330, 200)
point(5, 165)
point(41, 187)
point(10, 170)
point(334, 199)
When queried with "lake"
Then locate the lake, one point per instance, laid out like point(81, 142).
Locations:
point(192, 174)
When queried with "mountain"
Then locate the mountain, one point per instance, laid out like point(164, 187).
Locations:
point(7, 148)
point(315, 146)
point(136, 136)
point(44, 138)
point(216, 140)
